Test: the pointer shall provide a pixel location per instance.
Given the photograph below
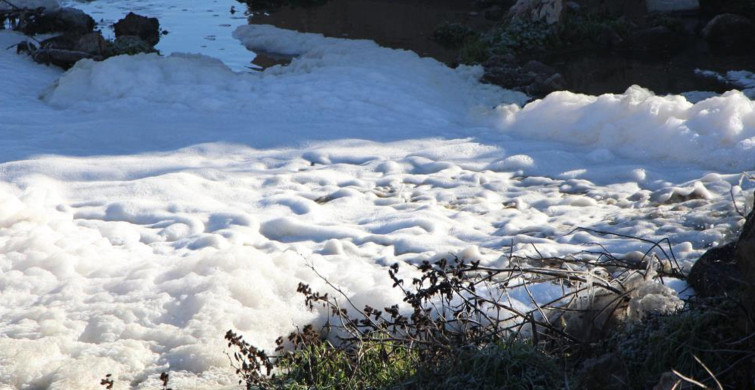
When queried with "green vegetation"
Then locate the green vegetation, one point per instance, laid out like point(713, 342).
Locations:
point(520, 35)
point(455, 335)
point(580, 29)
point(474, 51)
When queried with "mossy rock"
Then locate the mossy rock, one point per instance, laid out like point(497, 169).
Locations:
point(130, 45)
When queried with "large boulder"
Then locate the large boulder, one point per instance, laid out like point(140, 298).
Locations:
point(147, 29)
point(548, 11)
point(730, 33)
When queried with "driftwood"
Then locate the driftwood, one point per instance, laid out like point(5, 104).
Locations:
point(15, 15)
point(61, 57)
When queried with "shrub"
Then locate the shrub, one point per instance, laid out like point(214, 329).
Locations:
point(453, 35)
point(456, 332)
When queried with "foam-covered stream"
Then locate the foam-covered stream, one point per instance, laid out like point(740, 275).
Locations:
point(148, 204)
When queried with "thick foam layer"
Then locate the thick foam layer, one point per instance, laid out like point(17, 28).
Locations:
point(148, 204)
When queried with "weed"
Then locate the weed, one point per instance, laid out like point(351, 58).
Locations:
point(521, 35)
point(474, 51)
point(455, 328)
point(453, 35)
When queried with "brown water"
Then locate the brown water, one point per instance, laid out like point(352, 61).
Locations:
point(401, 24)
point(409, 24)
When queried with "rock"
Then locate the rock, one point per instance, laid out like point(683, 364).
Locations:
point(606, 372)
point(540, 87)
point(92, 43)
point(729, 33)
point(74, 20)
point(538, 67)
point(715, 272)
point(533, 78)
point(65, 41)
point(745, 257)
point(147, 29)
point(548, 11)
point(65, 20)
point(672, 5)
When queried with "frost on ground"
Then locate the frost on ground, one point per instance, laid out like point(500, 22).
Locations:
point(149, 204)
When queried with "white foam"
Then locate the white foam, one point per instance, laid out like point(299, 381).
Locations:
point(148, 204)
point(716, 132)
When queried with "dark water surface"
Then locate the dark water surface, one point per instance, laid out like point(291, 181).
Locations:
point(409, 24)
point(400, 24)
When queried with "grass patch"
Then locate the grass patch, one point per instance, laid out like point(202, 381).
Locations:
point(718, 332)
